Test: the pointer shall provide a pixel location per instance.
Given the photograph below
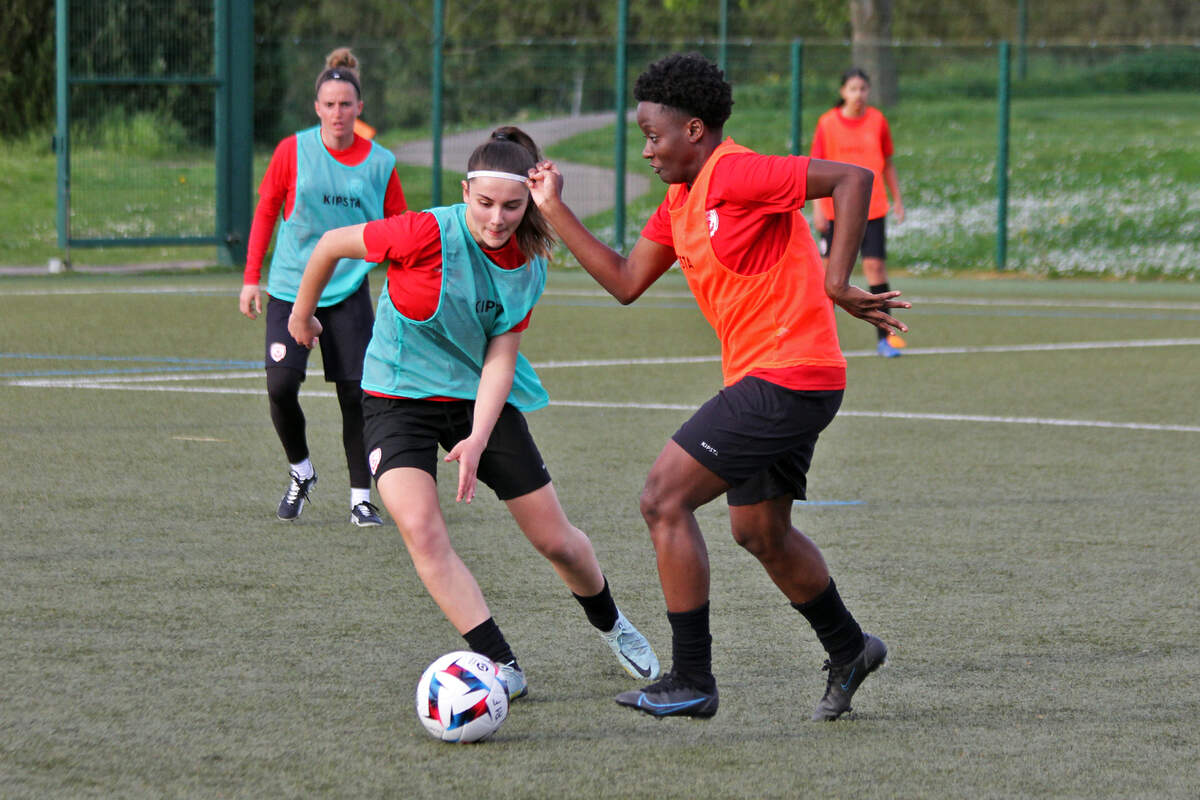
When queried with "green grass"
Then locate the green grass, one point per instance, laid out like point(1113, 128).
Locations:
point(164, 636)
point(1101, 185)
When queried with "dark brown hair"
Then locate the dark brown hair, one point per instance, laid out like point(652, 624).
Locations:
point(853, 72)
point(511, 149)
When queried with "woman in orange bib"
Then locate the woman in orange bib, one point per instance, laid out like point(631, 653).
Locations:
point(857, 133)
point(731, 218)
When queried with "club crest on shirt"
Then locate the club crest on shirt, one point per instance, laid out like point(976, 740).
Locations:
point(374, 458)
point(278, 351)
point(713, 222)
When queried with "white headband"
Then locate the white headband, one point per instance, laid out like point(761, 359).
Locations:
point(488, 173)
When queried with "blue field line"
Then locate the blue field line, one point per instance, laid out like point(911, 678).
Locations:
point(828, 502)
point(181, 364)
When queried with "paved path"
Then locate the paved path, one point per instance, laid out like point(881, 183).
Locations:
point(588, 190)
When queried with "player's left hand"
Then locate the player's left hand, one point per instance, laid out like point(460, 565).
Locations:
point(467, 453)
point(872, 308)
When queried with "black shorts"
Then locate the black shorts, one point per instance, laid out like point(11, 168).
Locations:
point(346, 331)
point(759, 437)
point(406, 433)
point(874, 243)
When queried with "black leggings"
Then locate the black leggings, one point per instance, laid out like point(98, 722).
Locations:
point(283, 395)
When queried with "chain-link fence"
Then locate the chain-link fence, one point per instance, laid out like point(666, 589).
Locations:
point(1095, 156)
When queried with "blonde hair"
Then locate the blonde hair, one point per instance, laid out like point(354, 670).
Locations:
point(341, 65)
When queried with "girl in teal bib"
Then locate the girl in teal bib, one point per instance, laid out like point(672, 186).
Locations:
point(443, 368)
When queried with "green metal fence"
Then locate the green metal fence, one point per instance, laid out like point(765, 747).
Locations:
point(153, 135)
point(780, 88)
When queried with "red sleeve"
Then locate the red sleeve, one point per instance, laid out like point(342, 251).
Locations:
point(278, 184)
point(770, 184)
point(393, 200)
point(658, 227)
point(523, 324)
point(403, 239)
point(885, 139)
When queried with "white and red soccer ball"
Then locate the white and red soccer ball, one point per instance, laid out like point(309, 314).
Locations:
point(460, 697)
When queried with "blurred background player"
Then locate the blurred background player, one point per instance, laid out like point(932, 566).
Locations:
point(857, 133)
point(444, 367)
point(320, 178)
point(731, 218)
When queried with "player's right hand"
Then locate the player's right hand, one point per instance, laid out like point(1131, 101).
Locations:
point(545, 183)
point(250, 300)
point(304, 329)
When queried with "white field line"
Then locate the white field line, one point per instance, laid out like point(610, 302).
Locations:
point(163, 383)
point(116, 381)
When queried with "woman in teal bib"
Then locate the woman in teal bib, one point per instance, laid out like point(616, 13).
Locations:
point(444, 368)
point(321, 178)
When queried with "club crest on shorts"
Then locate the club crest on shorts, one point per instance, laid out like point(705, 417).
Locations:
point(713, 222)
point(374, 458)
point(277, 351)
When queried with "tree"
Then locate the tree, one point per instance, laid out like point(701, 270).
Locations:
point(871, 44)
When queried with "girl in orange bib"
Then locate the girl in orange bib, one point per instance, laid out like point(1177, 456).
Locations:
point(856, 133)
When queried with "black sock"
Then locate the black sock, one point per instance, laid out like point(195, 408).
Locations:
point(880, 288)
point(836, 628)
point(691, 647)
point(487, 639)
point(600, 609)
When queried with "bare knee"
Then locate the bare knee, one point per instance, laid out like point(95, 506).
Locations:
point(566, 548)
point(658, 504)
point(761, 540)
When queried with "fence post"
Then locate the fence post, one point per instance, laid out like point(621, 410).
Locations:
point(797, 96)
point(439, 18)
point(1002, 161)
point(240, 185)
point(233, 57)
point(62, 137)
point(619, 142)
point(723, 39)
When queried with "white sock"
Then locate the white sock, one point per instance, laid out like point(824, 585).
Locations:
point(304, 470)
point(359, 496)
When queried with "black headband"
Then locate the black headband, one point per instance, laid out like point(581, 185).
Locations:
point(335, 74)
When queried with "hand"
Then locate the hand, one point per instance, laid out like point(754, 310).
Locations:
point(250, 300)
point(898, 211)
point(304, 329)
point(545, 183)
point(467, 453)
point(871, 307)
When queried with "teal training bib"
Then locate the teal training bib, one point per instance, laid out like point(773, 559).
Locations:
point(329, 195)
point(443, 355)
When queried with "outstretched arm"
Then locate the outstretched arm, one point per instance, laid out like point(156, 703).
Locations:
point(850, 188)
point(495, 383)
point(625, 278)
point(333, 246)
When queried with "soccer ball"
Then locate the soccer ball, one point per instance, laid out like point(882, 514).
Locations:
point(460, 697)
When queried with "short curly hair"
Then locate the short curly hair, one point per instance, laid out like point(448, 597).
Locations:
point(690, 83)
